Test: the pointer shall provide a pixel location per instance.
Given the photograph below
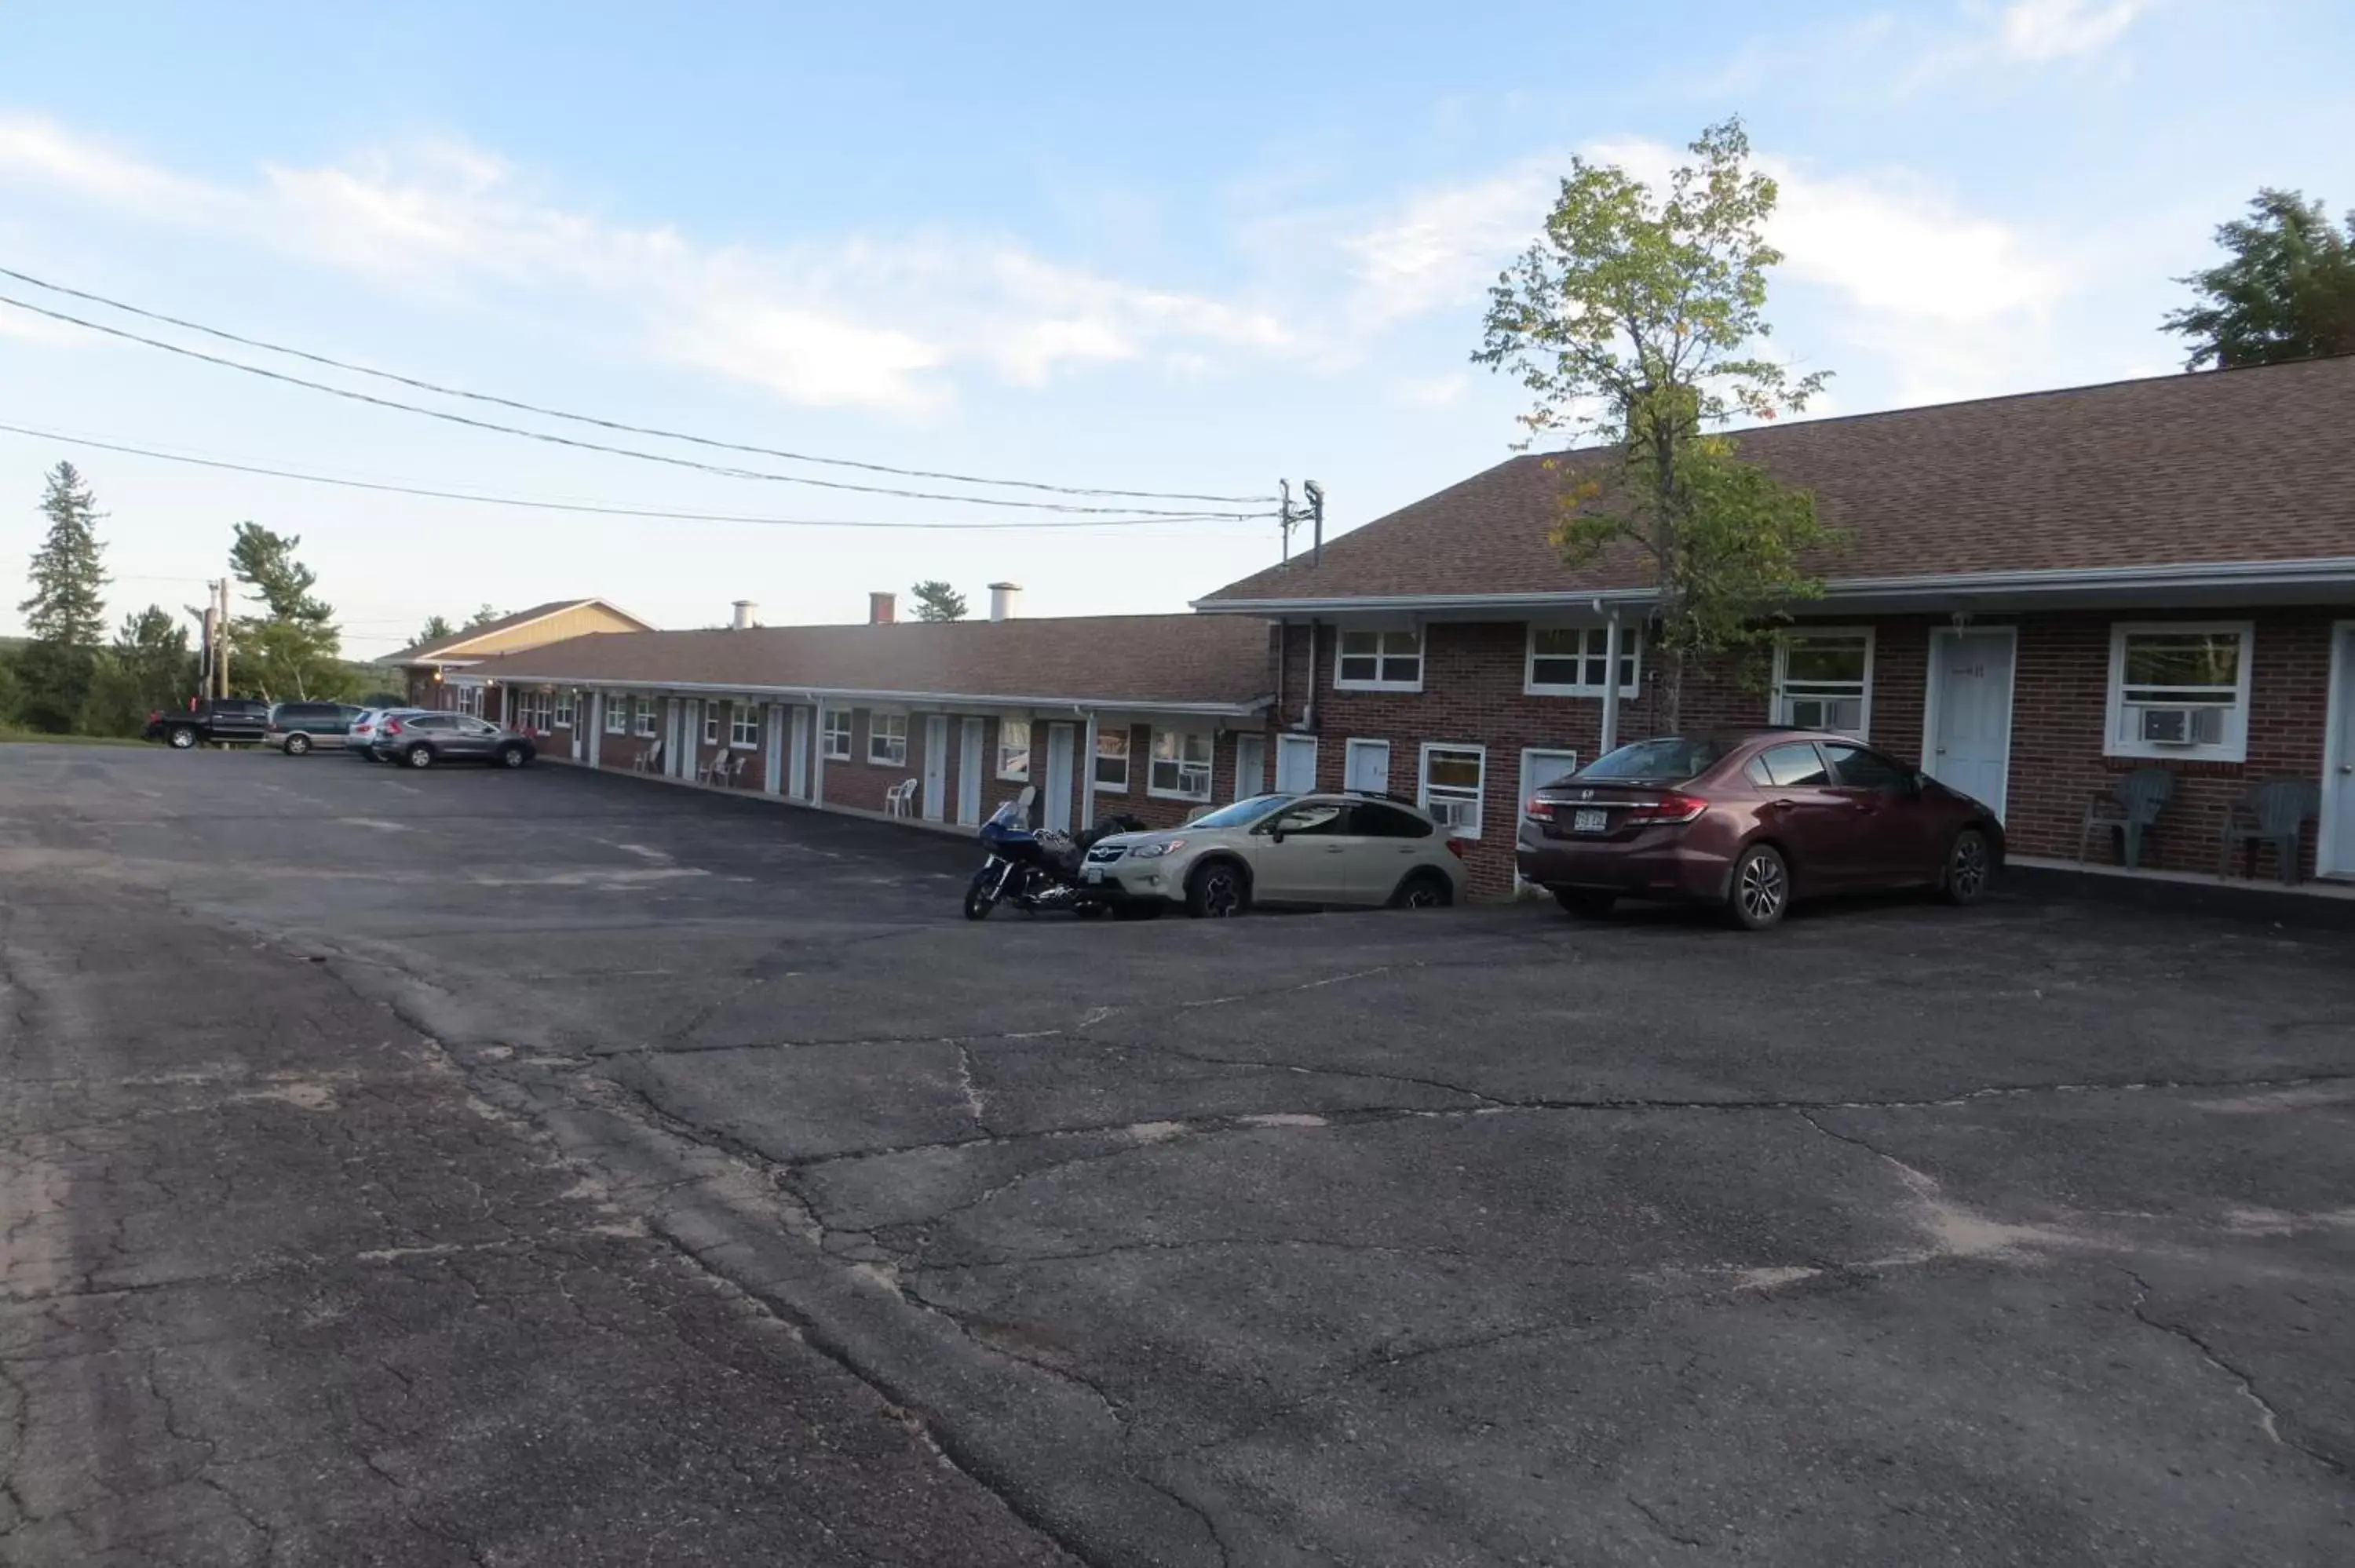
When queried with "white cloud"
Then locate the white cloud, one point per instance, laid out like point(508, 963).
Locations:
point(886, 324)
point(1435, 392)
point(2052, 29)
point(1445, 246)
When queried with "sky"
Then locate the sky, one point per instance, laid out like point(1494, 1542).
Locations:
point(1194, 250)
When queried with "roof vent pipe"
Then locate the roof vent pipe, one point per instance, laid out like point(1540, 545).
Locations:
point(1004, 599)
point(743, 619)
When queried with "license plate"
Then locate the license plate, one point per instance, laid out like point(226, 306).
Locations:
point(1590, 823)
point(1092, 874)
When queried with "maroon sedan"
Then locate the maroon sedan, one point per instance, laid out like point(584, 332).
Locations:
point(1749, 822)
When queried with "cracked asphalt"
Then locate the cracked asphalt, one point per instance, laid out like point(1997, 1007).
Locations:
point(559, 1168)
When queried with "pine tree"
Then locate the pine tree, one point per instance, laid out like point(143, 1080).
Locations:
point(294, 650)
point(437, 626)
point(149, 668)
point(935, 600)
point(66, 614)
point(69, 572)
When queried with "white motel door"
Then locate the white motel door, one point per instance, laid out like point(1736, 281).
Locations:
point(1295, 764)
point(1970, 744)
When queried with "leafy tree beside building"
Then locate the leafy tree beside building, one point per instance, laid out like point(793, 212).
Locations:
point(2288, 290)
point(1637, 320)
point(291, 651)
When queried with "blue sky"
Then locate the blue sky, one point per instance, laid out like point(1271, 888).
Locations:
point(1191, 249)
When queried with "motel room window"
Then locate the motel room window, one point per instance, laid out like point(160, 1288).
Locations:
point(1823, 680)
point(1453, 779)
point(2180, 689)
point(1014, 750)
point(836, 722)
point(710, 722)
point(1569, 660)
point(744, 725)
point(645, 727)
point(1111, 760)
point(617, 715)
point(1380, 661)
point(887, 739)
point(564, 701)
point(1181, 768)
point(534, 710)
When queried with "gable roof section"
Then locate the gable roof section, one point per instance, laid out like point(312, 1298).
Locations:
point(2208, 470)
point(458, 640)
point(1212, 664)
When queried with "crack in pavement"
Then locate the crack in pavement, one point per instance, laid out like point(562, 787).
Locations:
point(2269, 1420)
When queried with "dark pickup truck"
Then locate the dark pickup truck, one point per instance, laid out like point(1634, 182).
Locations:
point(236, 720)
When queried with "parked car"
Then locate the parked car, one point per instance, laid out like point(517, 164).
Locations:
point(295, 727)
point(362, 735)
point(1751, 821)
point(239, 721)
point(1336, 849)
point(424, 740)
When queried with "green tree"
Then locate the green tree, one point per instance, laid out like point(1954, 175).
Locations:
point(935, 600)
point(482, 615)
point(150, 667)
point(2288, 292)
point(1637, 320)
point(292, 650)
point(437, 626)
point(66, 614)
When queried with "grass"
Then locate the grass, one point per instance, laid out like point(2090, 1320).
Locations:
point(9, 737)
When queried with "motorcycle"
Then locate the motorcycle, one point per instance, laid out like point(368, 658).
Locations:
point(1036, 869)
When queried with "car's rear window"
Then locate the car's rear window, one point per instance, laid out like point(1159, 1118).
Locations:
point(1670, 759)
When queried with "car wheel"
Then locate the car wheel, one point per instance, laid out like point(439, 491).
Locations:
point(1970, 865)
point(182, 737)
point(1587, 902)
point(296, 744)
point(1216, 891)
point(513, 756)
point(419, 757)
point(1423, 890)
point(1761, 890)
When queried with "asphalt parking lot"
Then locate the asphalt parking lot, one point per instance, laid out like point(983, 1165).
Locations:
point(559, 1168)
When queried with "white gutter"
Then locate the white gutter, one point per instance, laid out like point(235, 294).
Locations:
point(2326, 571)
point(850, 693)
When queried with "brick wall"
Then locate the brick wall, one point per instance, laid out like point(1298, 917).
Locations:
point(1472, 692)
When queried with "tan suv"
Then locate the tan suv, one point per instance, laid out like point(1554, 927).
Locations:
point(1340, 849)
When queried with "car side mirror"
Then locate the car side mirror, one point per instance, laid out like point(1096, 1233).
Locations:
point(1275, 835)
point(1917, 784)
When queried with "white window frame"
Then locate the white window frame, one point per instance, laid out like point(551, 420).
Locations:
point(566, 700)
point(1014, 775)
point(880, 726)
point(536, 710)
point(1478, 796)
point(828, 732)
point(1120, 735)
point(2234, 747)
point(744, 726)
point(710, 721)
point(617, 714)
point(1593, 642)
point(1381, 656)
point(1781, 711)
point(1178, 759)
point(642, 717)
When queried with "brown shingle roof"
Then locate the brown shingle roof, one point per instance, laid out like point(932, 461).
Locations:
point(2225, 466)
point(438, 646)
point(1139, 661)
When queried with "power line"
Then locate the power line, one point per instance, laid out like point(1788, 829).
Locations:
point(1147, 520)
point(664, 458)
point(657, 431)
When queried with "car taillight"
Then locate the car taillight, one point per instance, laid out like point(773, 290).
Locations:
point(1540, 810)
point(389, 726)
point(1669, 808)
point(1455, 846)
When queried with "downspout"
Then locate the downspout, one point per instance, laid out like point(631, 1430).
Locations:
point(1308, 701)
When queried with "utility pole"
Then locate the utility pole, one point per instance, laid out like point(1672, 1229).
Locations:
point(1285, 517)
point(221, 647)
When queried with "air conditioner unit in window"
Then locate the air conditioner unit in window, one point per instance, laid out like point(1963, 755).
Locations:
point(1450, 813)
point(2182, 726)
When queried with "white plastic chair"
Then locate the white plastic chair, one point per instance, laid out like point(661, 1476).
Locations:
point(650, 761)
point(899, 800)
